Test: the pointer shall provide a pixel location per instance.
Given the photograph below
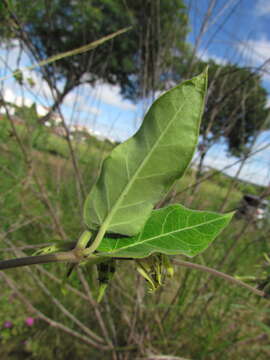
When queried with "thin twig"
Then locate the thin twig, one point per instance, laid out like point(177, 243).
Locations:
point(221, 275)
point(26, 247)
point(29, 164)
point(51, 322)
point(95, 306)
point(66, 54)
point(42, 270)
point(61, 307)
point(65, 311)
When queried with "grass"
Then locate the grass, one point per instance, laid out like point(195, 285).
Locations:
point(192, 316)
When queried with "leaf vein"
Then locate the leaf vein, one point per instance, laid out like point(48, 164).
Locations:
point(167, 234)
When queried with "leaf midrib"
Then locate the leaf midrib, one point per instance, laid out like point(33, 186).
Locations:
point(166, 234)
point(133, 178)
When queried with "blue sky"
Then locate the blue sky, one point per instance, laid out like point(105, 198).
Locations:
point(238, 31)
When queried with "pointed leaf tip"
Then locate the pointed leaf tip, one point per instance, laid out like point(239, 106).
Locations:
point(173, 230)
point(138, 174)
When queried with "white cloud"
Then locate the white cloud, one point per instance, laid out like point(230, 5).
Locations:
point(4, 109)
point(263, 8)
point(110, 132)
point(110, 94)
point(12, 52)
point(12, 97)
point(87, 108)
point(101, 92)
point(206, 56)
point(80, 102)
point(254, 170)
point(256, 52)
point(40, 86)
point(41, 110)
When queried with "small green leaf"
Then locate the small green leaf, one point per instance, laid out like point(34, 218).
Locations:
point(139, 172)
point(56, 247)
point(172, 230)
point(18, 76)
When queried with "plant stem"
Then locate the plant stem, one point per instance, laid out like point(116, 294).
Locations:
point(40, 259)
point(51, 322)
point(73, 258)
point(73, 52)
point(68, 256)
point(95, 244)
point(221, 275)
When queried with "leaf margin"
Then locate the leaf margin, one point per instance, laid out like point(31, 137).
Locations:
point(225, 218)
point(103, 225)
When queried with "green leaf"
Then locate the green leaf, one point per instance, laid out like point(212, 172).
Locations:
point(172, 230)
point(56, 247)
point(140, 171)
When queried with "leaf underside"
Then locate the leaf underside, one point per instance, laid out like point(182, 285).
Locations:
point(140, 171)
point(172, 230)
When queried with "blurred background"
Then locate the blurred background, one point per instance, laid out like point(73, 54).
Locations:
point(58, 122)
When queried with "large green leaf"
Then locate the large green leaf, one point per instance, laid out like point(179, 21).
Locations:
point(141, 170)
point(172, 230)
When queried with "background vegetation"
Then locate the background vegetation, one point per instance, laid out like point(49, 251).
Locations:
point(45, 174)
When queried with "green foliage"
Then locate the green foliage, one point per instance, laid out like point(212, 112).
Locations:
point(186, 313)
point(218, 316)
point(63, 25)
point(123, 205)
point(236, 107)
point(154, 269)
point(20, 197)
point(41, 138)
point(18, 76)
point(224, 181)
point(172, 230)
point(149, 162)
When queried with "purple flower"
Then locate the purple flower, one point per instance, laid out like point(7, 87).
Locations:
point(8, 325)
point(29, 321)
